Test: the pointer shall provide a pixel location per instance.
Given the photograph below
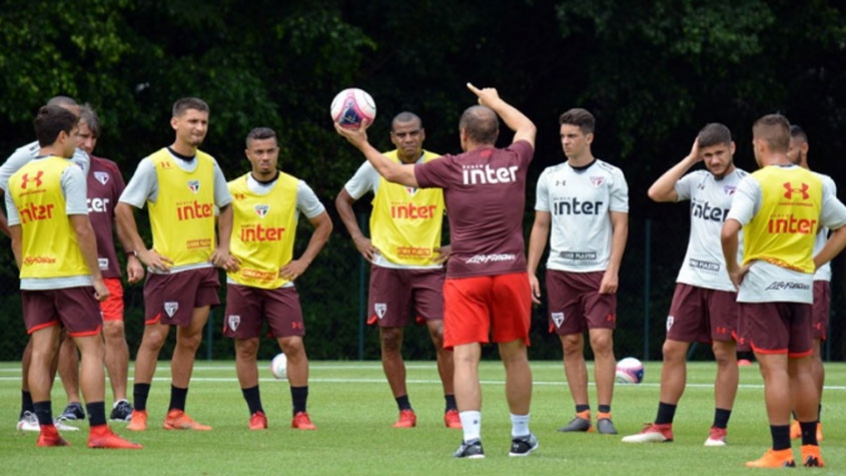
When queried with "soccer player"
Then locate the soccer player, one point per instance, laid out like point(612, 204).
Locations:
point(585, 201)
point(486, 290)
point(182, 186)
point(55, 250)
point(780, 208)
point(703, 307)
point(406, 261)
point(262, 270)
point(105, 184)
point(797, 153)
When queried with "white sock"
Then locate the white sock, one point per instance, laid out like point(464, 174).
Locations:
point(471, 423)
point(519, 425)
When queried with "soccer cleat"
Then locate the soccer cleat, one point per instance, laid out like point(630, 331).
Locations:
point(652, 433)
point(73, 412)
point(137, 421)
point(774, 459)
point(796, 431)
point(407, 419)
point(452, 420)
point(179, 420)
point(604, 425)
point(523, 445)
point(811, 457)
point(258, 421)
point(580, 423)
point(470, 449)
point(49, 436)
point(301, 421)
point(717, 437)
point(121, 411)
point(102, 437)
point(28, 422)
point(60, 425)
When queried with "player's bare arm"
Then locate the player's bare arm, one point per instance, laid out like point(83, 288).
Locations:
point(322, 229)
point(537, 243)
point(134, 269)
point(220, 255)
point(88, 245)
point(17, 243)
point(523, 127)
point(729, 240)
point(4, 222)
point(610, 280)
point(343, 203)
point(442, 254)
point(125, 218)
point(663, 190)
point(393, 172)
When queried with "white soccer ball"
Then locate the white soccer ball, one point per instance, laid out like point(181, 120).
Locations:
point(351, 106)
point(629, 370)
point(279, 367)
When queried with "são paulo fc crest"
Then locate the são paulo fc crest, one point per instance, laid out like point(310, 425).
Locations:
point(171, 307)
point(261, 210)
point(670, 320)
point(102, 177)
point(729, 189)
point(380, 308)
point(597, 181)
point(234, 321)
point(412, 191)
point(557, 318)
point(194, 185)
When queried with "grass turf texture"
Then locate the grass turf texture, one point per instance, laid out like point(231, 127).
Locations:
point(351, 404)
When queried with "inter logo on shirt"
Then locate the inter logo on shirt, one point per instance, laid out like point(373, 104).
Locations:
point(194, 185)
point(485, 174)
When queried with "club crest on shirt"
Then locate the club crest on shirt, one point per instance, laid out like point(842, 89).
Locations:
point(729, 189)
point(234, 322)
point(412, 191)
point(380, 308)
point(102, 177)
point(557, 318)
point(194, 185)
point(670, 320)
point(261, 210)
point(171, 307)
point(597, 181)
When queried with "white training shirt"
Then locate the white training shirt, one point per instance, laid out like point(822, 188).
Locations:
point(23, 155)
point(710, 200)
point(765, 282)
point(824, 272)
point(579, 201)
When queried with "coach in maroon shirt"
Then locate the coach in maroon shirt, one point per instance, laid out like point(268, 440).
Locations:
point(486, 293)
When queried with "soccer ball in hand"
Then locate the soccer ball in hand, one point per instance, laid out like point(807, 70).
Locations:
point(279, 367)
point(629, 370)
point(352, 106)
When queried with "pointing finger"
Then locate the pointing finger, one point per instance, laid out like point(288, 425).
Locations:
point(475, 90)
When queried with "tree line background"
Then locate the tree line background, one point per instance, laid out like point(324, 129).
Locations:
point(653, 73)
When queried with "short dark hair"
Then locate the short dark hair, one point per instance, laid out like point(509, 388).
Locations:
point(481, 125)
point(260, 133)
point(87, 114)
point(182, 105)
point(579, 117)
point(714, 134)
point(774, 129)
point(50, 121)
point(798, 132)
point(405, 117)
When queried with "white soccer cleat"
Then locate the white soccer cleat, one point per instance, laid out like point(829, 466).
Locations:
point(652, 433)
point(717, 437)
point(29, 422)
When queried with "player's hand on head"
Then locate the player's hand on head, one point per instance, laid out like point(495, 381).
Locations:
point(535, 285)
point(486, 95)
point(695, 153)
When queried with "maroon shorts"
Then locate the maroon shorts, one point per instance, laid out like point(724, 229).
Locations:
point(575, 304)
point(398, 294)
point(702, 315)
point(821, 309)
point(74, 308)
point(776, 327)
point(483, 306)
point(248, 307)
point(171, 298)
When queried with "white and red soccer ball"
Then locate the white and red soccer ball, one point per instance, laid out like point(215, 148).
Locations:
point(279, 367)
point(629, 370)
point(352, 106)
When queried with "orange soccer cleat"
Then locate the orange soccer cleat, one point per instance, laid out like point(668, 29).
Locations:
point(301, 421)
point(407, 419)
point(452, 420)
point(179, 420)
point(49, 436)
point(774, 459)
point(102, 437)
point(258, 421)
point(137, 421)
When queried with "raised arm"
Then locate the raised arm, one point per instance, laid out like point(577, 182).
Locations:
point(523, 127)
point(393, 172)
point(663, 190)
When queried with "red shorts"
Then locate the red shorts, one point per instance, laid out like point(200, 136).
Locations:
point(112, 307)
point(248, 307)
point(702, 315)
point(481, 307)
point(821, 309)
point(393, 292)
point(74, 308)
point(171, 298)
point(776, 327)
point(575, 304)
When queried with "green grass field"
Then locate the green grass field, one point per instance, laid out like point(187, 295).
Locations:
point(352, 406)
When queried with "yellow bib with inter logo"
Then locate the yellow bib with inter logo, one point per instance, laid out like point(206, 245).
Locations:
point(406, 222)
point(182, 218)
point(49, 247)
point(263, 231)
point(784, 229)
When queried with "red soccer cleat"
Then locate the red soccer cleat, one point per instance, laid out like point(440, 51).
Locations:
point(179, 420)
point(102, 437)
point(301, 421)
point(407, 419)
point(258, 421)
point(138, 421)
point(49, 436)
point(452, 420)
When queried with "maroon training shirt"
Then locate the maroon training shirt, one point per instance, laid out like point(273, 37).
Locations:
point(105, 184)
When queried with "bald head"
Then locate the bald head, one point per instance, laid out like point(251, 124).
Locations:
point(774, 130)
point(480, 124)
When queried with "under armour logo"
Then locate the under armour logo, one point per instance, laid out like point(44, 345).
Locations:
point(790, 190)
point(36, 179)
